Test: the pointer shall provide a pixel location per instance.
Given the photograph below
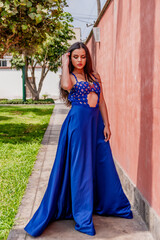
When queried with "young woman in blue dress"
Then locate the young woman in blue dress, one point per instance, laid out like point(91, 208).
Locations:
point(83, 180)
point(77, 61)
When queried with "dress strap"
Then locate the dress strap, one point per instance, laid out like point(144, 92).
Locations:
point(74, 76)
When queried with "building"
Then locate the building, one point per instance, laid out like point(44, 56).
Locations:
point(127, 57)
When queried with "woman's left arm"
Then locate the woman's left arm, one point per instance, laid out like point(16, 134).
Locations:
point(104, 112)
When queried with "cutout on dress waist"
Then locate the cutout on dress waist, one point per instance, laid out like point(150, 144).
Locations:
point(92, 99)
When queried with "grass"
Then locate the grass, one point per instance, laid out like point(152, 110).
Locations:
point(21, 132)
point(28, 101)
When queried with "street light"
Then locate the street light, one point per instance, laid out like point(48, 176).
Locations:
point(96, 33)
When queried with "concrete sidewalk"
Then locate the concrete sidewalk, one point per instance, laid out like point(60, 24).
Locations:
point(106, 227)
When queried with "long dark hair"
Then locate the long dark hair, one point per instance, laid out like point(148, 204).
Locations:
point(88, 70)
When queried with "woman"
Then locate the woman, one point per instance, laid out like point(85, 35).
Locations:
point(83, 179)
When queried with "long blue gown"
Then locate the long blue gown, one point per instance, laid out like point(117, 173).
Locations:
point(83, 179)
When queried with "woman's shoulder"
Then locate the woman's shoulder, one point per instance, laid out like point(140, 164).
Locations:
point(96, 76)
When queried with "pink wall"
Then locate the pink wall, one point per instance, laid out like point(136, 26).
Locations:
point(128, 59)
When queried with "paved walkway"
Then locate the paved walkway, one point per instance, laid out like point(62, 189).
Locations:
point(106, 227)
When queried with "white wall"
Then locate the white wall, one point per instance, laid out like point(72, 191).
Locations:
point(11, 83)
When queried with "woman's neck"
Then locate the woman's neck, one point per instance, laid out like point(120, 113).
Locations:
point(78, 71)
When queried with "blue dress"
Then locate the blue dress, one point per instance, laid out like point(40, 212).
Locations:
point(83, 179)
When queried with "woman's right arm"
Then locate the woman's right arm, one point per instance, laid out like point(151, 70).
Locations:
point(66, 81)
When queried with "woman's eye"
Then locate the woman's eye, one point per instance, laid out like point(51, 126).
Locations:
point(83, 57)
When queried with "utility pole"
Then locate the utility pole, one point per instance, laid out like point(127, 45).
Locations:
point(98, 7)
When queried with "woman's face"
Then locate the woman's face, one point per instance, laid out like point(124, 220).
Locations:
point(78, 58)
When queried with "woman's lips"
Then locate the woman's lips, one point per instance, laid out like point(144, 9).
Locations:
point(79, 64)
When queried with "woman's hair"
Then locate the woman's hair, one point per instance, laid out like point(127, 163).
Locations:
point(88, 70)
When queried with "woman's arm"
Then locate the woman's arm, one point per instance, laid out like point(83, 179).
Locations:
point(66, 82)
point(104, 112)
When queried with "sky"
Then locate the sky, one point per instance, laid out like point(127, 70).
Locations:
point(83, 12)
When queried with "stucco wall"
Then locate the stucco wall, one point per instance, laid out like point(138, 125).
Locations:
point(128, 61)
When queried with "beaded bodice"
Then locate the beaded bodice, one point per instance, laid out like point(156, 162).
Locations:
point(80, 91)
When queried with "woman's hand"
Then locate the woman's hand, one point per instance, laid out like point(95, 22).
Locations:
point(65, 59)
point(107, 133)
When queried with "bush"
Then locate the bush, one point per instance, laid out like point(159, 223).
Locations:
point(28, 101)
point(45, 96)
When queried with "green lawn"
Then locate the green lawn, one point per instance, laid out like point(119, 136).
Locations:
point(21, 132)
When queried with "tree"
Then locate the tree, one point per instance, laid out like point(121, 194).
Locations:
point(36, 29)
point(24, 23)
point(47, 56)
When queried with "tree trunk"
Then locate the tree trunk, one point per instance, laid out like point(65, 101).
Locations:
point(36, 96)
point(43, 75)
point(33, 88)
point(33, 75)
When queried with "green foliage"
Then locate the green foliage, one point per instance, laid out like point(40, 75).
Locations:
point(28, 101)
point(17, 62)
point(24, 23)
point(49, 52)
point(45, 96)
point(54, 47)
point(21, 132)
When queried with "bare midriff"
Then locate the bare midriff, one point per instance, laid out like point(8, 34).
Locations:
point(92, 99)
